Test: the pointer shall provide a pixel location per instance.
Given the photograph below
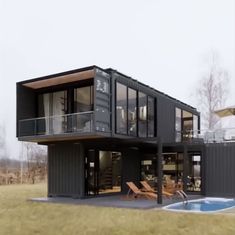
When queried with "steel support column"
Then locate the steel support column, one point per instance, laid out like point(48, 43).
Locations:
point(185, 168)
point(159, 170)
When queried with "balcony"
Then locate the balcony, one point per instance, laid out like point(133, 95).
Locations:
point(80, 123)
point(222, 135)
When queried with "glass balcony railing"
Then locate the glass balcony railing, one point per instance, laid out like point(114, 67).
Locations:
point(207, 136)
point(59, 124)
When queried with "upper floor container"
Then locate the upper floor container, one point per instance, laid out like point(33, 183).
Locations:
point(91, 103)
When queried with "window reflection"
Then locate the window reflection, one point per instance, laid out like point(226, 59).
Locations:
point(83, 102)
point(83, 99)
point(148, 169)
point(194, 176)
point(52, 105)
point(195, 126)
point(142, 114)
point(178, 127)
point(132, 107)
point(131, 104)
point(187, 125)
point(59, 108)
point(121, 108)
point(172, 169)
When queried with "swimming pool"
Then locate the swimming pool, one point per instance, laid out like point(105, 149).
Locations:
point(207, 204)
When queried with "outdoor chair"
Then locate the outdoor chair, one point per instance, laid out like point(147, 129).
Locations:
point(138, 193)
point(172, 187)
point(148, 188)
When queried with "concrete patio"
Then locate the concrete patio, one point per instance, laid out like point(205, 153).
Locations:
point(118, 201)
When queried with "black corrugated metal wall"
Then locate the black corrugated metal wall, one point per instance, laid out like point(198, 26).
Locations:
point(130, 167)
point(220, 169)
point(165, 120)
point(66, 170)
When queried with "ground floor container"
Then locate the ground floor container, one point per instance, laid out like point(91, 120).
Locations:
point(87, 169)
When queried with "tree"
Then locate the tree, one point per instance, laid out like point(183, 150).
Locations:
point(36, 158)
point(212, 92)
point(3, 148)
point(4, 166)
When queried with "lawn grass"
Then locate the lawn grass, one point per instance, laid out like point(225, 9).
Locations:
point(22, 217)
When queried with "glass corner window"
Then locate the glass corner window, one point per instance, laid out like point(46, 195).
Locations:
point(132, 112)
point(195, 126)
point(178, 125)
point(142, 114)
point(121, 108)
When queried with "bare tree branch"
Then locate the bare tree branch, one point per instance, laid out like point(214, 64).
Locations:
point(212, 92)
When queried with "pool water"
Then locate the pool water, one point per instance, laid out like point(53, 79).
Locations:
point(202, 205)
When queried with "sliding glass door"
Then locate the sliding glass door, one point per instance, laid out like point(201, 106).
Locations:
point(83, 104)
point(194, 173)
point(103, 172)
point(51, 108)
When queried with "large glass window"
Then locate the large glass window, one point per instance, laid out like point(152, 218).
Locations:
point(151, 117)
point(173, 171)
point(53, 105)
point(178, 127)
point(43, 105)
point(83, 102)
point(195, 126)
point(109, 172)
point(83, 99)
point(121, 108)
point(127, 112)
point(103, 172)
point(194, 176)
point(132, 110)
point(142, 114)
point(149, 169)
point(59, 108)
point(43, 111)
point(187, 125)
point(173, 166)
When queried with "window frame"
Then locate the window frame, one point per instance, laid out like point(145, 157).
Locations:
point(127, 133)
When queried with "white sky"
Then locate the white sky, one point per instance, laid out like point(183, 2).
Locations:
point(162, 43)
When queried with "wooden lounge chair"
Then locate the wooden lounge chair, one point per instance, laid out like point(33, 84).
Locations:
point(138, 193)
point(148, 188)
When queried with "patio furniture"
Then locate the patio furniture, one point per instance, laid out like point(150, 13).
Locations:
point(138, 193)
point(228, 111)
point(170, 187)
point(148, 188)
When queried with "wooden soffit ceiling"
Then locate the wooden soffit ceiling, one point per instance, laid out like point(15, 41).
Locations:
point(61, 79)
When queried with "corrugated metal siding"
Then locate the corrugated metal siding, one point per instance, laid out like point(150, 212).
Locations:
point(102, 102)
point(130, 168)
point(165, 120)
point(66, 170)
point(220, 169)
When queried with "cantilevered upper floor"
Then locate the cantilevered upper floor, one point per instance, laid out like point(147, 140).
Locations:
point(96, 103)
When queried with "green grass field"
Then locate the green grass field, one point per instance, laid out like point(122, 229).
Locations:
point(22, 217)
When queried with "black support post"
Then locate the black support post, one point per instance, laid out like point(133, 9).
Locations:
point(185, 168)
point(159, 171)
point(203, 172)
